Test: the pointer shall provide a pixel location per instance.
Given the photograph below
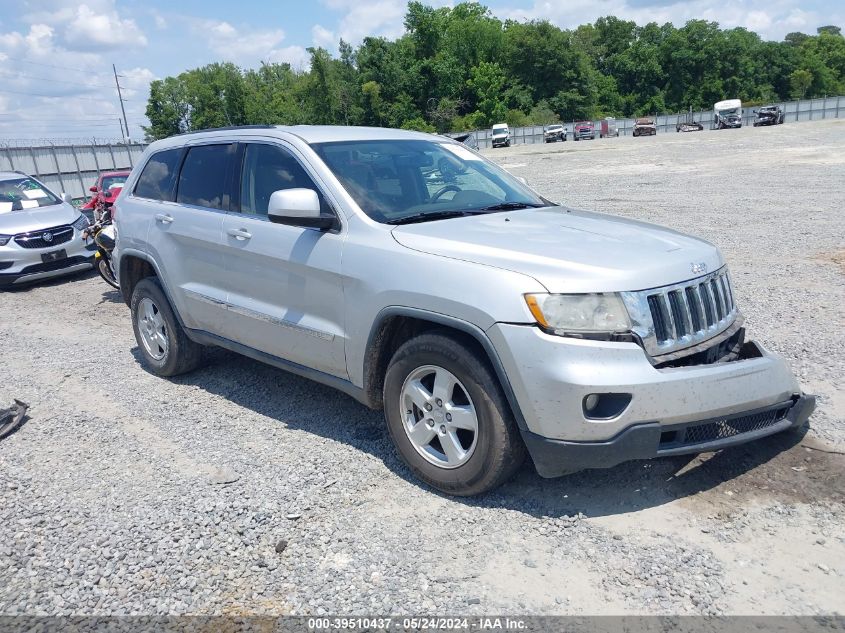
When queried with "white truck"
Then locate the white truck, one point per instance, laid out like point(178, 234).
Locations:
point(727, 114)
point(501, 136)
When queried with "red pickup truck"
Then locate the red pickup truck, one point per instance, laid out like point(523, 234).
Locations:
point(584, 129)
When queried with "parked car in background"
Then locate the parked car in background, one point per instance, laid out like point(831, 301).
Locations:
point(40, 232)
point(727, 114)
point(608, 128)
point(584, 130)
point(644, 126)
point(501, 135)
point(554, 133)
point(105, 192)
point(688, 123)
point(467, 139)
point(486, 321)
point(769, 115)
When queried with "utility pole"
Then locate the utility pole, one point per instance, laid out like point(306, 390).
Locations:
point(120, 96)
point(120, 125)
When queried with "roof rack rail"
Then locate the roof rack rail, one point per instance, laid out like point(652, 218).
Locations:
point(229, 127)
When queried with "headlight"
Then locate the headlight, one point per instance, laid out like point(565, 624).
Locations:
point(4, 239)
point(81, 223)
point(579, 314)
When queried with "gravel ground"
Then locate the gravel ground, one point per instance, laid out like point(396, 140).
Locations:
point(241, 489)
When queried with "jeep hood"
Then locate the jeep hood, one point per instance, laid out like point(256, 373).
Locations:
point(27, 220)
point(567, 250)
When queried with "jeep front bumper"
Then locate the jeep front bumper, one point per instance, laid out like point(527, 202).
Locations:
point(664, 412)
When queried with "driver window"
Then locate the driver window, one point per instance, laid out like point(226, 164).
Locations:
point(269, 168)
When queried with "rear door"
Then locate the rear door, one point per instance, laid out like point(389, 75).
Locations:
point(285, 290)
point(186, 234)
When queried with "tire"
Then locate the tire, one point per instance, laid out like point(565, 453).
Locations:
point(165, 349)
point(104, 268)
point(489, 455)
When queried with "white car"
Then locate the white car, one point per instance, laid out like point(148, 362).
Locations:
point(40, 233)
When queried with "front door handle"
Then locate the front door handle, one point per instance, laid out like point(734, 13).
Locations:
point(240, 234)
point(164, 218)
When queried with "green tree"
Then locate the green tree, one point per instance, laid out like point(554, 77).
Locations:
point(487, 81)
point(800, 80)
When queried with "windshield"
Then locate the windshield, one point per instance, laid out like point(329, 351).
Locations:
point(113, 181)
point(729, 111)
point(24, 193)
point(553, 128)
point(392, 180)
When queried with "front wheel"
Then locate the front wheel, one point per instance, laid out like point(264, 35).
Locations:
point(165, 348)
point(448, 418)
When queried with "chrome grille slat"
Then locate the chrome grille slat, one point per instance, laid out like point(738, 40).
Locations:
point(707, 301)
point(694, 305)
point(34, 239)
point(683, 315)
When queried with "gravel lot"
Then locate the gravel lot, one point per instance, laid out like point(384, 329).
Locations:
point(242, 489)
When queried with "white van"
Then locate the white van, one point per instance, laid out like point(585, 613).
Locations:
point(501, 135)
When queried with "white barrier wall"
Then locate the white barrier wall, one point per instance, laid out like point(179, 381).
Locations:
point(69, 168)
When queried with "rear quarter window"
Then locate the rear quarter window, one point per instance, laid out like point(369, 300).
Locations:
point(204, 178)
point(158, 180)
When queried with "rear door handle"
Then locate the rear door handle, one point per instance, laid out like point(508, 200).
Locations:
point(240, 234)
point(164, 218)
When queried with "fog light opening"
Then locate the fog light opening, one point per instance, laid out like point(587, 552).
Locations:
point(604, 406)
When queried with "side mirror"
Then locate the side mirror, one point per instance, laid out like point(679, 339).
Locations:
point(298, 207)
point(66, 198)
point(93, 188)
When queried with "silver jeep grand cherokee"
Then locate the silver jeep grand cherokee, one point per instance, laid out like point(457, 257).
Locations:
point(410, 272)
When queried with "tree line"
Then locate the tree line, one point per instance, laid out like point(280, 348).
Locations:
point(462, 68)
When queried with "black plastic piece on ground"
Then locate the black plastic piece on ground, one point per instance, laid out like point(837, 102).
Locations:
point(12, 418)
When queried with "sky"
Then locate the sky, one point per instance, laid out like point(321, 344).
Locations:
point(56, 56)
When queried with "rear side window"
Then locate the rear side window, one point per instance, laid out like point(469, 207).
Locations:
point(204, 179)
point(158, 180)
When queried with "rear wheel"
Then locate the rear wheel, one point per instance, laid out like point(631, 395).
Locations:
point(165, 348)
point(447, 416)
point(105, 269)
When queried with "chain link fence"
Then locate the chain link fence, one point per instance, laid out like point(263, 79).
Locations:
point(794, 111)
point(69, 168)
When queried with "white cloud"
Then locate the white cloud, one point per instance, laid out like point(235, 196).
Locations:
point(89, 30)
point(244, 45)
point(322, 36)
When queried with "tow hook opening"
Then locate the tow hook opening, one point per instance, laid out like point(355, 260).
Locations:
point(604, 406)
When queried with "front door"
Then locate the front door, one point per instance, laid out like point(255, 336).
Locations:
point(285, 291)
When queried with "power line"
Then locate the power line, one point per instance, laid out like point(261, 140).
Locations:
point(61, 81)
point(33, 94)
point(80, 70)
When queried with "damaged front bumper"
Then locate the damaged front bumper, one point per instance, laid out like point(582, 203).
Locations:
point(553, 458)
point(643, 410)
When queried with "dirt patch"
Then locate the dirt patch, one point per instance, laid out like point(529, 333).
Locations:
point(837, 257)
point(781, 468)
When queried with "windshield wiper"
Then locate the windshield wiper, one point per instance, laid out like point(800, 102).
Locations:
point(512, 206)
point(434, 215)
